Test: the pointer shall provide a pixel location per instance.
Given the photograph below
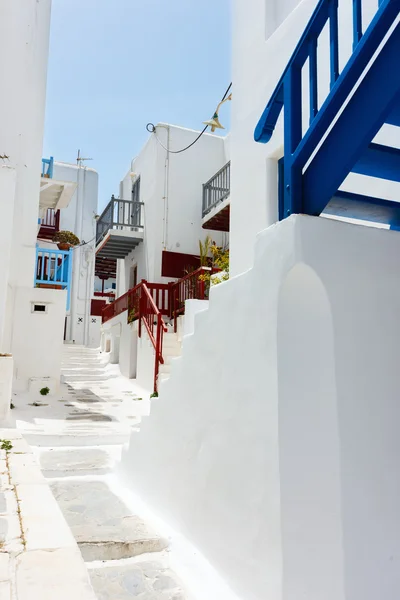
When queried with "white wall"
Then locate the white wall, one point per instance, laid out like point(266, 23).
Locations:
point(7, 193)
point(173, 223)
point(24, 41)
point(78, 217)
point(278, 456)
point(37, 337)
point(123, 343)
point(265, 33)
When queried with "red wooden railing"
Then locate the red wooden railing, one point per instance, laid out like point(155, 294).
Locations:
point(105, 294)
point(152, 319)
point(149, 302)
point(50, 224)
point(116, 308)
point(190, 287)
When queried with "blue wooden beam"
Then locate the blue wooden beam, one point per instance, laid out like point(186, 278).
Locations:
point(366, 208)
point(356, 126)
point(379, 161)
point(394, 117)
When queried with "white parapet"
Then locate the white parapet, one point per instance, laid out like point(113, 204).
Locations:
point(274, 445)
point(6, 378)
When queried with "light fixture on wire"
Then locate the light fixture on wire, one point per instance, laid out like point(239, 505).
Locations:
point(214, 122)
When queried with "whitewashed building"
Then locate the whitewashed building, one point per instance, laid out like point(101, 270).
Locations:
point(31, 318)
point(79, 216)
point(167, 203)
point(273, 446)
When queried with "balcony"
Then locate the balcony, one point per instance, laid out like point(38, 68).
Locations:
point(54, 194)
point(119, 228)
point(50, 224)
point(216, 200)
point(54, 270)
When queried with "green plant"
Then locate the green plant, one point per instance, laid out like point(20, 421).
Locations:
point(12, 405)
point(154, 395)
point(6, 445)
point(133, 308)
point(220, 260)
point(204, 249)
point(44, 391)
point(66, 237)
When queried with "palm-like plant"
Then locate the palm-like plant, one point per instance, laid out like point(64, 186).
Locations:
point(205, 248)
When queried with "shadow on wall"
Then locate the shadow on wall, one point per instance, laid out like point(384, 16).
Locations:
point(309, 439)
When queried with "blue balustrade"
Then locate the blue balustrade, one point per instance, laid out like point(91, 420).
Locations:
point(300, 194)
point(54, 268)
point(48, 167)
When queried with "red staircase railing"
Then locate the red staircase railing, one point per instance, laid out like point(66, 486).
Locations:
point(151, 318)
point(117, 307)
point(191, 287)
point(149, 302)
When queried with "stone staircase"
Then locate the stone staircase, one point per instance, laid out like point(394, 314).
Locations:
point(78, 438)
point(172, 348)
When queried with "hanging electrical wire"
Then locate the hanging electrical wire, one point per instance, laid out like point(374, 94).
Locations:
point(151, 128)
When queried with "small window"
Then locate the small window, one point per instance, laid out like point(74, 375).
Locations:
point(39, 308)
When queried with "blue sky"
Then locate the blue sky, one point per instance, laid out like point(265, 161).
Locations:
point(116, 65)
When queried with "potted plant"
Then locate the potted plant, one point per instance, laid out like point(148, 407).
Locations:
point(65, 239)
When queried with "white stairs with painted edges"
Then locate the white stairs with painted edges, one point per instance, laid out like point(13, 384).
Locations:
point(81, 364)
point(172, 348)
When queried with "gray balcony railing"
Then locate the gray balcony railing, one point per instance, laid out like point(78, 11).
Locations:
point(119, 214)
point(217, 188)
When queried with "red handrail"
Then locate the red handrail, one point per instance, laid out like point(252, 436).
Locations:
point(140, 305)
point(117, 307)
point(191, 287)
point(148, 302)
point(155, 326)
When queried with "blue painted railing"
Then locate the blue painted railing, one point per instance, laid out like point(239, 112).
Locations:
point(48, 167)
point(298, 146)
point(54, 269)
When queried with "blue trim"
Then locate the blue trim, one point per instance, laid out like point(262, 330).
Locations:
point(48, 167)
point(54, 267)
point(346, 146)
point(281, 189)
point(356, 126)
point(379, 161)
point(327, 10)
point(367, 208)
point(357, 23)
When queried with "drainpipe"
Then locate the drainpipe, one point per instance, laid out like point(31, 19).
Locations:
point(166, 190)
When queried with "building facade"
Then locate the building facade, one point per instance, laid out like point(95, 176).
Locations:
point(272, 445)
point(31, 318)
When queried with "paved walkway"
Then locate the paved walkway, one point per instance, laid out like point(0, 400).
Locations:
point(77, 438)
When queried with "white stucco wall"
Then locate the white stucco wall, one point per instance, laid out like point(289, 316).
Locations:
point(7, 194)
point(172, 193)
point(78, 217)
point(281, 464)
point(124, 343)
point(265, 33)
point(37, 337)
point(24, 42)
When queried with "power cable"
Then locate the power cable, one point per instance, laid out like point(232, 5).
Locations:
point(151, 128)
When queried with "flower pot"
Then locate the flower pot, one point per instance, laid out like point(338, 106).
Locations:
point(63, 246)
point(6, 377)
point(49, 286)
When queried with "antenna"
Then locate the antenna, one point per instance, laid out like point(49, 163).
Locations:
point(80, 159)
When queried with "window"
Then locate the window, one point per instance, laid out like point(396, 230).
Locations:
point(39, 308)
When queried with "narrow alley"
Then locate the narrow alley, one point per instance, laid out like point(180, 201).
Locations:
point(77, 439)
